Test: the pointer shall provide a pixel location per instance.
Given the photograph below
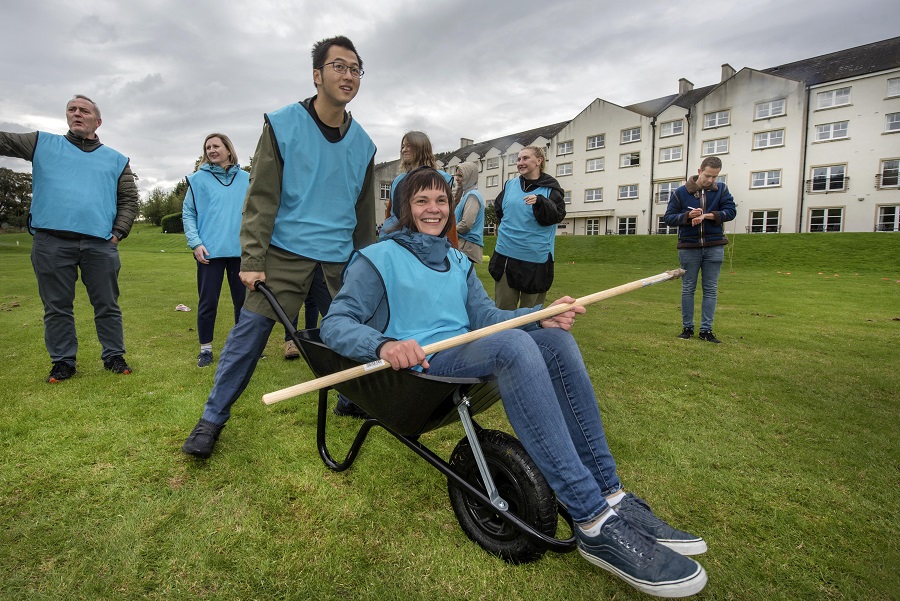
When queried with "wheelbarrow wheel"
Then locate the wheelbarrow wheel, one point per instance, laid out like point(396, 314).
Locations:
point(519, 483)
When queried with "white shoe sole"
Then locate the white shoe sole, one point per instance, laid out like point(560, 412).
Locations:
point(668, 590)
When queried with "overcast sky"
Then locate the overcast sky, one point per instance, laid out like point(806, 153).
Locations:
point(167, 72)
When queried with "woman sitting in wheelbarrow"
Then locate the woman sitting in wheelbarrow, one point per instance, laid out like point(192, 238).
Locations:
point(413, 289)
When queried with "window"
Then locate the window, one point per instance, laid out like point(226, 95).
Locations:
point(767, 110)
point(825, 220)
point(718, 146)
point(630, 159)
point(593, 195)
point(722, 179)
point(828, 179)
point(672, 153)
point(888, 177)
point(598, 141)
point(892, 122)
point(563, 169)
point(888, 219)
point(663, 228)
point(671, 128)
point(627, 226)
point(594, 165)
point(564, 148)
point(631, 135)
point(894, 86)
point(716, 119)
point(512, 175)
point(665, 191)
point(765, 179)
point(768, 139)
point(385, 191)
point(626, 192)
point(512, 158)
point(832, 131)
point(567, 196)
point(492, 181)
point(592, 227)
point(493, 163)
point(832, 98)
point(764, 222)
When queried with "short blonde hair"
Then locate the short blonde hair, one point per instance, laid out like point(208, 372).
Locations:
point(539, 153)
point(228, 146)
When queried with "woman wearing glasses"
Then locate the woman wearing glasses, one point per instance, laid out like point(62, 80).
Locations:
point(211, 214)
point(528, 209)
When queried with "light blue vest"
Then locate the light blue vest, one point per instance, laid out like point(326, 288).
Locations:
point(218, 207)
point(424, 305)
point(319, 187)
point(73, 190)
point(521, 236)
point(476, 234)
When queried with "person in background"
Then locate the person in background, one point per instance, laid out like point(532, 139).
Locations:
point(528, 210)
point(469, 212)
point(699, 208)
point(211, 214)
point(84, 203)
point(413, 289)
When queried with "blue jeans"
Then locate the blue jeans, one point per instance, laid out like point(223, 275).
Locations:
point(550, 403)
point(695, 260)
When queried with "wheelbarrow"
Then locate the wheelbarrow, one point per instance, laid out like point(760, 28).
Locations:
point(500, 498)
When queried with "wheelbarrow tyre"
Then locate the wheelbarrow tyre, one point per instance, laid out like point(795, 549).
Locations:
point(519, 483)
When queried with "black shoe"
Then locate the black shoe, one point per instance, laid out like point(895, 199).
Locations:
point(686, 333)
point(204, 358)
point(708, 336)
point(202, 439)
point(61, 371)
point(639, 560)
point(347, 408)
point(636, 512)
point(117, 365)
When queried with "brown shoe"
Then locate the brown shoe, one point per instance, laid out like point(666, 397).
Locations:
point(291, 351)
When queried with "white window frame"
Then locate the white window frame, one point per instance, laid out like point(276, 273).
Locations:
point(722, 179)
point(630, 135)
point(765, 221)
point(716, 147)
point(833, 98)
point(770, 179)
point(670, 154)
point(827, 216)
point(769, 109)
point(716, 119)
point(567, 197)
point(593, 195)
point(592, 226)
point(385, 191)
point(630, 159)
point(564, 148)
point(768, 139)
point(596, 141)
point(492, 181)
point(893, 87)
point(628, 189)
point(564, 169)
point(828, 174)
point(594, 165)
point(886, 222)
point(512, 159)
point(630, 224)
point(671, 127)
point(670, 187)
point(664, 228)
point(837, 130)
point(492, 163)
point(886, 166)
point(892, 123)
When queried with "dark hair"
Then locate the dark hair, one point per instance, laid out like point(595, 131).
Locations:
point(320, 50)
point(421, 178)
point(714, 162)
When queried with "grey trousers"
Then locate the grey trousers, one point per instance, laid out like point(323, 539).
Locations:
point(56, 263)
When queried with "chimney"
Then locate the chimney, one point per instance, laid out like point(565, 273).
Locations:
point(727, 71)
point(684, 86)
point(463, 142)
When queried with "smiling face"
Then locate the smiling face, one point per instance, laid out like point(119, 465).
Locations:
point(528, 164)
point(217, 153)
point(82, 118)
point(430, 210)
point(333, 87)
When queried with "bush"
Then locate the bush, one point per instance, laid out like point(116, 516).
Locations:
point(172, 224)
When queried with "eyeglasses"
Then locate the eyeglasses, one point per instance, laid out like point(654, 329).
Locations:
point(342, 68)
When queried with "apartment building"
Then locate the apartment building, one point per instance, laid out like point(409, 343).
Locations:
point(809, 146)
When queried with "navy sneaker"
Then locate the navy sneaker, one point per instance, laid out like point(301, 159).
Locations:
point(636, 558)
point(117, 365)
point(60, 371)
point(686, 333)
point(204, 358)
point(347, 408)
point(202, 439)
point(709, 337)
point(636, 512)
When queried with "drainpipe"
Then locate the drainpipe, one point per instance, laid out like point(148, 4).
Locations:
point(652, 163)
point(687, 145)
point(803, 157)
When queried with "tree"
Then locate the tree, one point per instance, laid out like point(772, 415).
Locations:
point(158, 205)
point(15, 197)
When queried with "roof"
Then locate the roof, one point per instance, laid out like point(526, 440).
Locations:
point(523, 137)
point(869, 58)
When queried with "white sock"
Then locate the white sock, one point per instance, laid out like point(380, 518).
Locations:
point(594, 530)
point(616, 498)
point(206, 347)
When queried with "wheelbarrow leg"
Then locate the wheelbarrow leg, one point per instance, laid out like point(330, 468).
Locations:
point(320, 437)
point(469, 427)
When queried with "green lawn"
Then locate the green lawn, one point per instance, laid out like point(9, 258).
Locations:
point(778, 446)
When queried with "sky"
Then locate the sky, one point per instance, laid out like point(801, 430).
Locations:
point(167, 72)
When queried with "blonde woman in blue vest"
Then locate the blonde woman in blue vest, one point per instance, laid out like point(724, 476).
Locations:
point(212, 221)
point(528, 210)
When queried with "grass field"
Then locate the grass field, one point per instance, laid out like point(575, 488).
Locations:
point(779, 446)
